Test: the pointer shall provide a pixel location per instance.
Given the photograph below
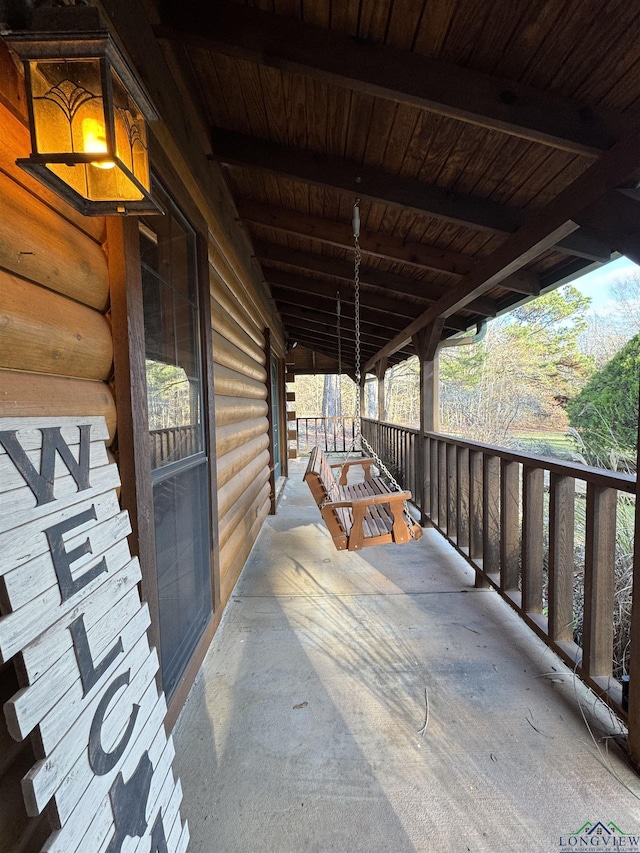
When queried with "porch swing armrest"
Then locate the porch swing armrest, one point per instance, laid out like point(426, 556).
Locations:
point(364, 462)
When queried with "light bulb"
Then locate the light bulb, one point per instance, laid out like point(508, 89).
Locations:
point(94, 141)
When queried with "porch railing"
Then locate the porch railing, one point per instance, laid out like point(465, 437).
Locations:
point(173, 443)
point(540, 531)
point(333, 434)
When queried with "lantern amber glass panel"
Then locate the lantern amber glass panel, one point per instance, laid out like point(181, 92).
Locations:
point(88, 131)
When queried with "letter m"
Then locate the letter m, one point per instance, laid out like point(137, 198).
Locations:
point(41, 483)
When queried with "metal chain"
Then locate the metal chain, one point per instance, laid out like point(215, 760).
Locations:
point(356, 299)
point(357, 431)
point(339, 331)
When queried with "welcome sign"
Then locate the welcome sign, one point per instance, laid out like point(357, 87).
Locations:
point(73, 620)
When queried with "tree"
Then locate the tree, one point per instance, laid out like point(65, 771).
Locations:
point(626, 292)
point(528, 363)
point(605, 412)
point(603, 337)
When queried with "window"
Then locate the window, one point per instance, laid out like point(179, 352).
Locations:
point(173, 358)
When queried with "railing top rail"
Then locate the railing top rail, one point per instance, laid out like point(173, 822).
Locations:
point(597, 476)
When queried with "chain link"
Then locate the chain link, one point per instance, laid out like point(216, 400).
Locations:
point(356, 299)
point(357, 432)
point(339, 331)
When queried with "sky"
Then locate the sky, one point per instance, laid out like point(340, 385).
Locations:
point(596, 285)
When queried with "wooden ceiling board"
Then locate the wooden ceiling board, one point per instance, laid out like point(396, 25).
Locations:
point(623, 94)
point(559, 43)
point(466, 27)
point(381, 132)
point(271, 86)
point(404, 23)
point(374, 20)
point(616, 85)
point(549, 43)
point(317, 115)
point(317, 12)
point(594, 45)
point(344, 16)
point(230, 83)
point(434, 26)
point(557, 183)
point(534, 23)
point(256, 101)
point(595, 52)
point(492, 40)
point(360, 114)
point(338, 111)
point(263, 5)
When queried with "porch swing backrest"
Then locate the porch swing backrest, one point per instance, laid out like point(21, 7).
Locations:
point(363, 513)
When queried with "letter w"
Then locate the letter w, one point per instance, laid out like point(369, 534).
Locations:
point(41, 484)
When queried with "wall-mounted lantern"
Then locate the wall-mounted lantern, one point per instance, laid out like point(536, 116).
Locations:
point(88, 113)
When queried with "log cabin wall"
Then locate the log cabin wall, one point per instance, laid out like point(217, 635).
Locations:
point(242, 439)
point(56, 356)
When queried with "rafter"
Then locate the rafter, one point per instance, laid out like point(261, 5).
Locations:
point(401, 76)
point(329, 348)
point(236, 149)
point(292, 315)
point(340, 235)
point(616, 217)
point(327, 289)
point(328, 339)
point(544, 229)
point(324, 304)
point(343, 270)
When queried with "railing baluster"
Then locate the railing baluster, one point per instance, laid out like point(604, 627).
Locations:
point(510, 525)
point(424, 476)
point(475, 504)
point(452, 493)
point(472, 493)
point(532, 539)
point(433, 480)
point(599, 572)
point(562, 495)
point(491, 514)
point(462, 507)
point(443, 522)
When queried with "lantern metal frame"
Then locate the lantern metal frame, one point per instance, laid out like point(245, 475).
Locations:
point(74, 34)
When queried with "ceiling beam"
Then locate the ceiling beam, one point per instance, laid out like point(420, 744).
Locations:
point(544, 228)
point(340, 235)
point(344, 271)
point(616, 217)
point(482, 214)
point(401, 76)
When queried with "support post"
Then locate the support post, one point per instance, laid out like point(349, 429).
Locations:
point(426, 345)
point(381, 369)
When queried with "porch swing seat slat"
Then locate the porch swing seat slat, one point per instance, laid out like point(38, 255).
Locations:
point(359, 514)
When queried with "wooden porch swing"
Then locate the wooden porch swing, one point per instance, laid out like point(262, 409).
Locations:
point(374, 511)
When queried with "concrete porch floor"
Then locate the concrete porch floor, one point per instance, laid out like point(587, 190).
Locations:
point(302, 732)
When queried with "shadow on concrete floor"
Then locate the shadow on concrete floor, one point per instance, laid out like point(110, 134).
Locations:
point(303, 732)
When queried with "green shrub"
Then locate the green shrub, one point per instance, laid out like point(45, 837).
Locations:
point(605, 412)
